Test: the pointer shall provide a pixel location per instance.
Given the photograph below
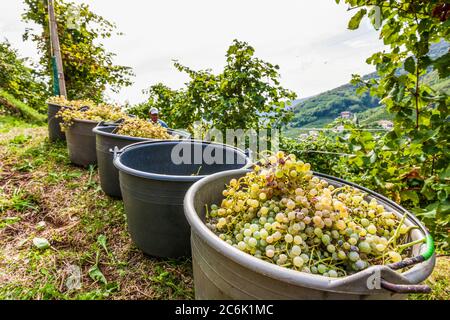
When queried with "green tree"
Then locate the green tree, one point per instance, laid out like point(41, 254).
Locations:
point(19, 80)
point(412, 162)
point(88, 66)
point(247, 94)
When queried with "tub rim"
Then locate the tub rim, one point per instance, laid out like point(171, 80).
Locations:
point(171, 178)
point(97, 130)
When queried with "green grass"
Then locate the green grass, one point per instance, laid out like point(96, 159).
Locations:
point(9, 102)
point(43, 196)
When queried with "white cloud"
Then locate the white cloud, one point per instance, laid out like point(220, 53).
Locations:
point(307, 38)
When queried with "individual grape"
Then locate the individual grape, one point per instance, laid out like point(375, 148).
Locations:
point(360, 265)
point(335, 234)
point(264, 211)
point(364, 247)
point(282, 258)
point(354, 236)
point(288, 238)
point(340, 225)
point(321, 268)
point(298, 240)
point(252, 242)
point(280, 217)
point(328, 222)
point(242, 245)
point(296, 250)
point(395, 256)
point(326, 239)
point(302, 225)
point(365, 222)
point(353, 256)
point(298, 262)
point(372, 229)
point(318, 232)
point(307, 220)
point(276, 236)
point(332, 274)
point(263, 234)
point(290, 205)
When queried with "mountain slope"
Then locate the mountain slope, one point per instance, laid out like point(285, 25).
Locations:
point(319, 110)
point(10, 105)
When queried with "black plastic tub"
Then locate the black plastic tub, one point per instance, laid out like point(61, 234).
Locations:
point(153, 188)
point(224, 272)
point(54, 129)
point(81, 142)
point(106, 142)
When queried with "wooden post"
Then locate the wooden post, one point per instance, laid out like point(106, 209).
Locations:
point(56, 49)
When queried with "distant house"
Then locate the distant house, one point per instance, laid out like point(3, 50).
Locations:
point(385, 124)
point(346, 114)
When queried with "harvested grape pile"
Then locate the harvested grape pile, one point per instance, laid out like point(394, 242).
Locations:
point(85, 110)
point(283, 214)
point(136, 127)
point(75, 104)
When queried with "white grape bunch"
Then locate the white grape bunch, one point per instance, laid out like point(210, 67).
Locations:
point(283, 214)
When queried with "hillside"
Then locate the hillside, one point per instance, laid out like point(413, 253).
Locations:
point(319, 110)
point(12, 106)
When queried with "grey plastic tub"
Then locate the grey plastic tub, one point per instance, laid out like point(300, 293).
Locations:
point(153, 189)
point(106, 141)
point(224, 272)
point(81, 142)
point(54, 130)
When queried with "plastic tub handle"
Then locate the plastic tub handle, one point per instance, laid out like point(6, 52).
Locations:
point(249, 154)
point(405, 288)
point(116, 152)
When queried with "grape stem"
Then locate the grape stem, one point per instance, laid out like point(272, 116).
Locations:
point(410, 244)
point(397, 231)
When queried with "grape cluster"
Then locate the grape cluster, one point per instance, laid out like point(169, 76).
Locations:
point(281, 213)
point(136, 127)
point(75, 104)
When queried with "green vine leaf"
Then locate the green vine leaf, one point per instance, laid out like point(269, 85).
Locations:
point(356, 19)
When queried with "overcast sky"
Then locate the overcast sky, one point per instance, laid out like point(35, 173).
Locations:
point(308, 39)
